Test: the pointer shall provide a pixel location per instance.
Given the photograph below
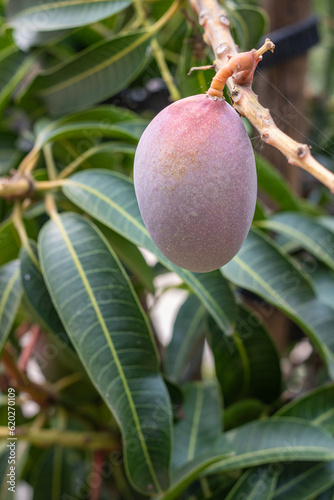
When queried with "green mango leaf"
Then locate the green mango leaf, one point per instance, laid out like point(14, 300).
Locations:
point(251, 22)
point(310, 235)
point(110, 198)
point(256, 484)
point(196, 433)
point(93, 130)
point(304, 481)
point(262, 268)
point(93, 75)
point(274, 185)
point(9, 154)
point(97, 305)
point(275, 440)
point(243, 358)
point(189, 328)
point(316, 406)
point(33, 15)
point(10, 298)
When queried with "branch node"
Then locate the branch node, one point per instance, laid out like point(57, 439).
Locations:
point(302, 150)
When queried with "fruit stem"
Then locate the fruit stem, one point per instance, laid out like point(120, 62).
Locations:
point(217, 34)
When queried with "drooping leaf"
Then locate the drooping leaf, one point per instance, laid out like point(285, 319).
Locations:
point(276, 440)
point(10, 243)
point(200, 425)
point(274, 277)
point(316, 406)
point(247, 363)
point(93, 75)
point(310, 235)
point(254, 484)
point(123, 130)
point(51, 15)
point(10, 297)
point(304, 481)
point(110, 198)
point(101, 314)
point(188, 329)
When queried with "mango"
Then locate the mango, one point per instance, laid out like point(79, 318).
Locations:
point(195, 182)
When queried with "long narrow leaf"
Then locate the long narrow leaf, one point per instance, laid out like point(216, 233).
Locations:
point(94, 74)
point(103, 318)
point(262, 268)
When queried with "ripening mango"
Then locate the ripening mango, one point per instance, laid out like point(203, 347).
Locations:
point(195, 181)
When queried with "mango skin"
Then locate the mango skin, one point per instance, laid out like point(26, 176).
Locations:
point(195, 182)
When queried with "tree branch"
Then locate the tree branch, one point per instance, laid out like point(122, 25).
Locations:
point(217, 34)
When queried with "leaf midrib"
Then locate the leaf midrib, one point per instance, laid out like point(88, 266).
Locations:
point(98, 313)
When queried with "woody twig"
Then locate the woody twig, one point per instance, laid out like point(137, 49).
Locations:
point(215, 23)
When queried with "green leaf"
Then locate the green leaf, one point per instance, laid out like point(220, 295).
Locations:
point(303, 481)
point(311, 236)
point(243, 358)
point(273, 184)
point(275, 440)
point(189, 327)
point(327, 495)
point(110, 198)
point(10, 298)
point(252, 22)
point(97, 305)
point(13, 70)
point(93, 130)
point(200, 426)
point(316, 406)
point(257, 484)
point(262, 268)
point(50, 15)
point(93, 75)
